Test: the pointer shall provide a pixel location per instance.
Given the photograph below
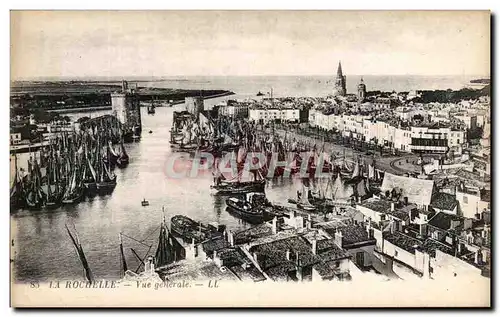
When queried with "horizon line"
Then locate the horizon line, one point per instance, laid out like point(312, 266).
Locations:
point(263, 75)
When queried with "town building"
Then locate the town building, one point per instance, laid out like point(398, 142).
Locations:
point(263, 115)
point(234, 109)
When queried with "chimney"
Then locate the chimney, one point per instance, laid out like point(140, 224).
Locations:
point(314, 246)
point(423, 230)
point(392, 206)
point(405, 201)
point(477, 257)
point(275, 225)
point(369, 229)
point(288, 254)
point(338, 238)
point(309, 222)
point(230, 238)
point(299, 270)
point(392, 226)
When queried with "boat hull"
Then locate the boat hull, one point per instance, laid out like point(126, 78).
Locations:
point(241, 188)
point(74, 198)
point(253, 215)
point(104, 188)
point(188, 229)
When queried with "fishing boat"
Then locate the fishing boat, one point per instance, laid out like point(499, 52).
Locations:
point(35, 197)
point(16, 190)
point(123, 159)
point(189, 230)
point(54, 189)
point(302, 201)
point(110, 157)
point(255, 208)
point(106, 182)
point(151, 108)
point(74, 191)
point(89, 177)
point(239, 187)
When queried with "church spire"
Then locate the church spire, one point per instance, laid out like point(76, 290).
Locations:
point(339, 70)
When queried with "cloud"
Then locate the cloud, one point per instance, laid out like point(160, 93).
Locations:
point(142, 43)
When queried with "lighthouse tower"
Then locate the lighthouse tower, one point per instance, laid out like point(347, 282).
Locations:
point(340, 89)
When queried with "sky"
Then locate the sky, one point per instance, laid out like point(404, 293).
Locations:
point(244, 43)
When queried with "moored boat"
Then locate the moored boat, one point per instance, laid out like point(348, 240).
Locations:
point(254, 208)
point(189, 229)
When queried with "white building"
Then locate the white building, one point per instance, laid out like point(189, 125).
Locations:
point(470, 202)
point(436, 139)
point(15, 138)
point(265, 115)
point(234, 110)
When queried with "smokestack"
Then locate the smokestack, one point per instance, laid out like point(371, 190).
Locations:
point(314, 246)
point(288, 255)
point(309, 222)
point(392, 206)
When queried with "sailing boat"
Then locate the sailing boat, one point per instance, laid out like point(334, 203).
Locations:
point(16, 190)
point(106, 179)
point(89, 176)
point(123, 159)
point(343, 192)
point(111, 156)
point(35, 197)
point(54, 197)
point(74, 191)
point(236, 186)
point(346, 170)
point(303, 200)
point(151, 108)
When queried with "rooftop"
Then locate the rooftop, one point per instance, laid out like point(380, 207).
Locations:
point(248, 235)
point(444, 201)
point(403, 241)
point(418, 191)
point(195, 270)
point(444, 221)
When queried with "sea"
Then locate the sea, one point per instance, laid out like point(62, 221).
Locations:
point(42, 249)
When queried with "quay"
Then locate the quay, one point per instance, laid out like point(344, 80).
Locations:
point(383, 163)
point(80, 109)
point(26, 148)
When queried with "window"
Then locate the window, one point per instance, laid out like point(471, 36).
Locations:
point(458, 141)
point(395, 253)
point(466, 200)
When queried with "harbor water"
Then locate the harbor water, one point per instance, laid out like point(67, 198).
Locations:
point(44, 251)
point(42, 247)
